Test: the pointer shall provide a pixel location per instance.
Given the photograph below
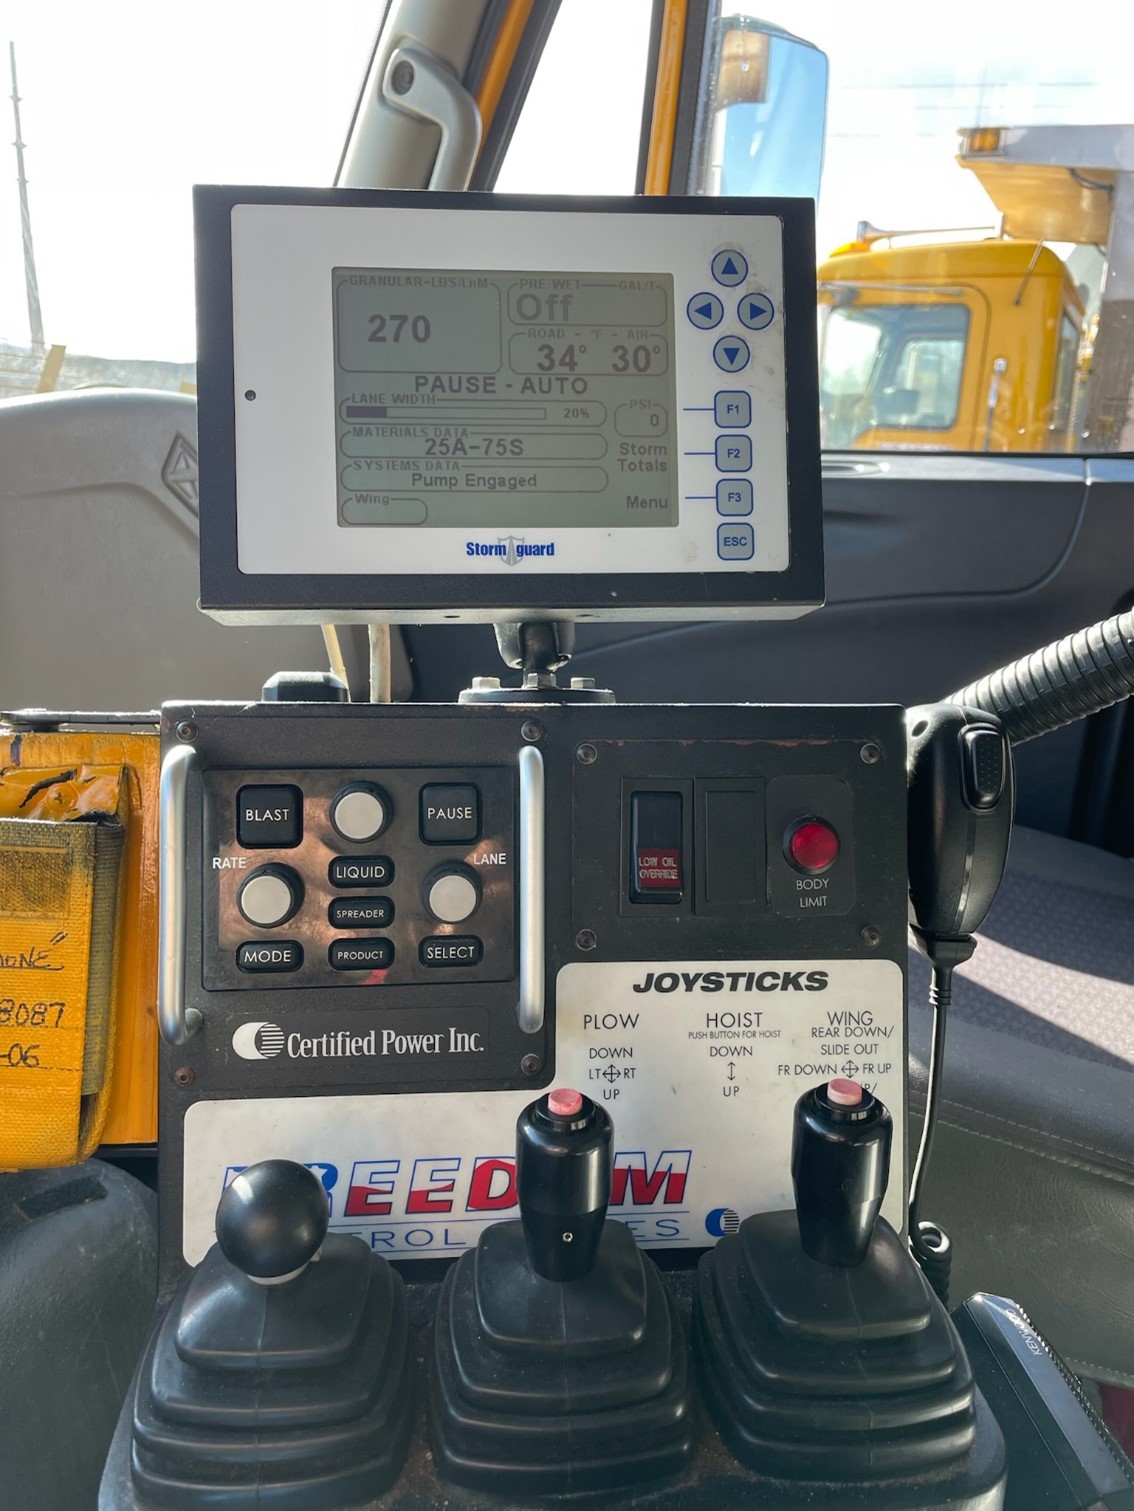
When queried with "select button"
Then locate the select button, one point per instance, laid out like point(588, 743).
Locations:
point(360, 954)
point(274, 955)
point(451, 949)
point(361, 871)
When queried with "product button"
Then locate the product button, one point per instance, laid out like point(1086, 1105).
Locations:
point(360, 954)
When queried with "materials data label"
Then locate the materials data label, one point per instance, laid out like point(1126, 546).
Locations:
point(699, 1064)
point(507, 400)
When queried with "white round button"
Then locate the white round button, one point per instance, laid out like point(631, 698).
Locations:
point(268, 898)
point(452, 897)
point(359, 814)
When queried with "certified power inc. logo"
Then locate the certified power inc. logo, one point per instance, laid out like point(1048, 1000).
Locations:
point(258, 1041)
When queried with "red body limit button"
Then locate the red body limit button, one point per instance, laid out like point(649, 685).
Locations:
point(812, 846)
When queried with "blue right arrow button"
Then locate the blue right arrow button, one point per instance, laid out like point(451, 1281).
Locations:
point(731, 353)
point(756, 311)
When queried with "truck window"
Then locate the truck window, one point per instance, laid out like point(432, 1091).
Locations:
point(890, 367)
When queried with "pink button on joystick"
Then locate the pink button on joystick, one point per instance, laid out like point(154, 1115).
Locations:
point(844, 1093)
point(563, 1102)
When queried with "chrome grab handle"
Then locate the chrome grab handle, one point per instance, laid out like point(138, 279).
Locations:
point(175, 1023)
point(531, 868)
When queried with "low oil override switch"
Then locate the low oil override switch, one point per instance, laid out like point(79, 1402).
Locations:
point(655, 847)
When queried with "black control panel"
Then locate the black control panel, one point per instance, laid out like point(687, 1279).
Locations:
point(690, 912)
point(358, 876)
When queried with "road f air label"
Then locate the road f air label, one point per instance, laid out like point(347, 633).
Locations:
point(699, 1064)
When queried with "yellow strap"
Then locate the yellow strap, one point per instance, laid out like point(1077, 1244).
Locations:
point(47, 875)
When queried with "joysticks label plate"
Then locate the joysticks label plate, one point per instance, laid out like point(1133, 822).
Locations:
point(698, 1062)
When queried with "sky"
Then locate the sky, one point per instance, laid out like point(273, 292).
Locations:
point(125, 105)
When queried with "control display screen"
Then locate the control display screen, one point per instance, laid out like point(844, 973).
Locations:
point(469, 399)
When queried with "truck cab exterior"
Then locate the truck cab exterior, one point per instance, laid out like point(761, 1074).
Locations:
point(959, 346)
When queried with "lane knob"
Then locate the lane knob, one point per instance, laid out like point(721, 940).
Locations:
point(452, 894)
point(270, 896)
point(360, 812)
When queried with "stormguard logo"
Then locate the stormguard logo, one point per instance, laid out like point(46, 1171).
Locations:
point(510, 549)
point(258, 1041)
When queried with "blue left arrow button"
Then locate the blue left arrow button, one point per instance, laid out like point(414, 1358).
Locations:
point(705, 311)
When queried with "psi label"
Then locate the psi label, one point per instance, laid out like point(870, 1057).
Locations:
point(699, 1064)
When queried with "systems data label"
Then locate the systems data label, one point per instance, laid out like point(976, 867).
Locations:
point(699, 1063)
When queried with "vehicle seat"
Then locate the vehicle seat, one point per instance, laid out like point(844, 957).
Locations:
point(98, 561)
point(1033, 1166)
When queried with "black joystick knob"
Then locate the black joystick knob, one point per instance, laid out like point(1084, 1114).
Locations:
point(563, 1163)
point(840, 1162)
point(272, 1220)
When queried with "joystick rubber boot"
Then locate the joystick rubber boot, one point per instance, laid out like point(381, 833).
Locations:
point(559, 1363)
point(840, 1381)
point(279, 1376)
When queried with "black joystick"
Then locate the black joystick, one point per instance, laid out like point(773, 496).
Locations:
point(563, 1159)
point(271, 1381)
point(840, 1163)
point(559, 1362)
point(272, 1220)
point(824, 1355)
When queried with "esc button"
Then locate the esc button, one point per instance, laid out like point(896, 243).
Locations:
point(451, 949)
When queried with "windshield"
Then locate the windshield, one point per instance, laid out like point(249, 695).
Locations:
point(123, 107)
point(890, 367)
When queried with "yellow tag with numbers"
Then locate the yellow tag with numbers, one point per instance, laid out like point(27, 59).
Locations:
point(59, 891)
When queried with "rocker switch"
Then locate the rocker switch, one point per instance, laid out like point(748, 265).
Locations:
point(656, 874)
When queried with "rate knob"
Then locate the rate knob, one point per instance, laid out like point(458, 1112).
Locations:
point(840, 1162)
point(272, 1220)
point(270, 896)
point(563, 1165)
